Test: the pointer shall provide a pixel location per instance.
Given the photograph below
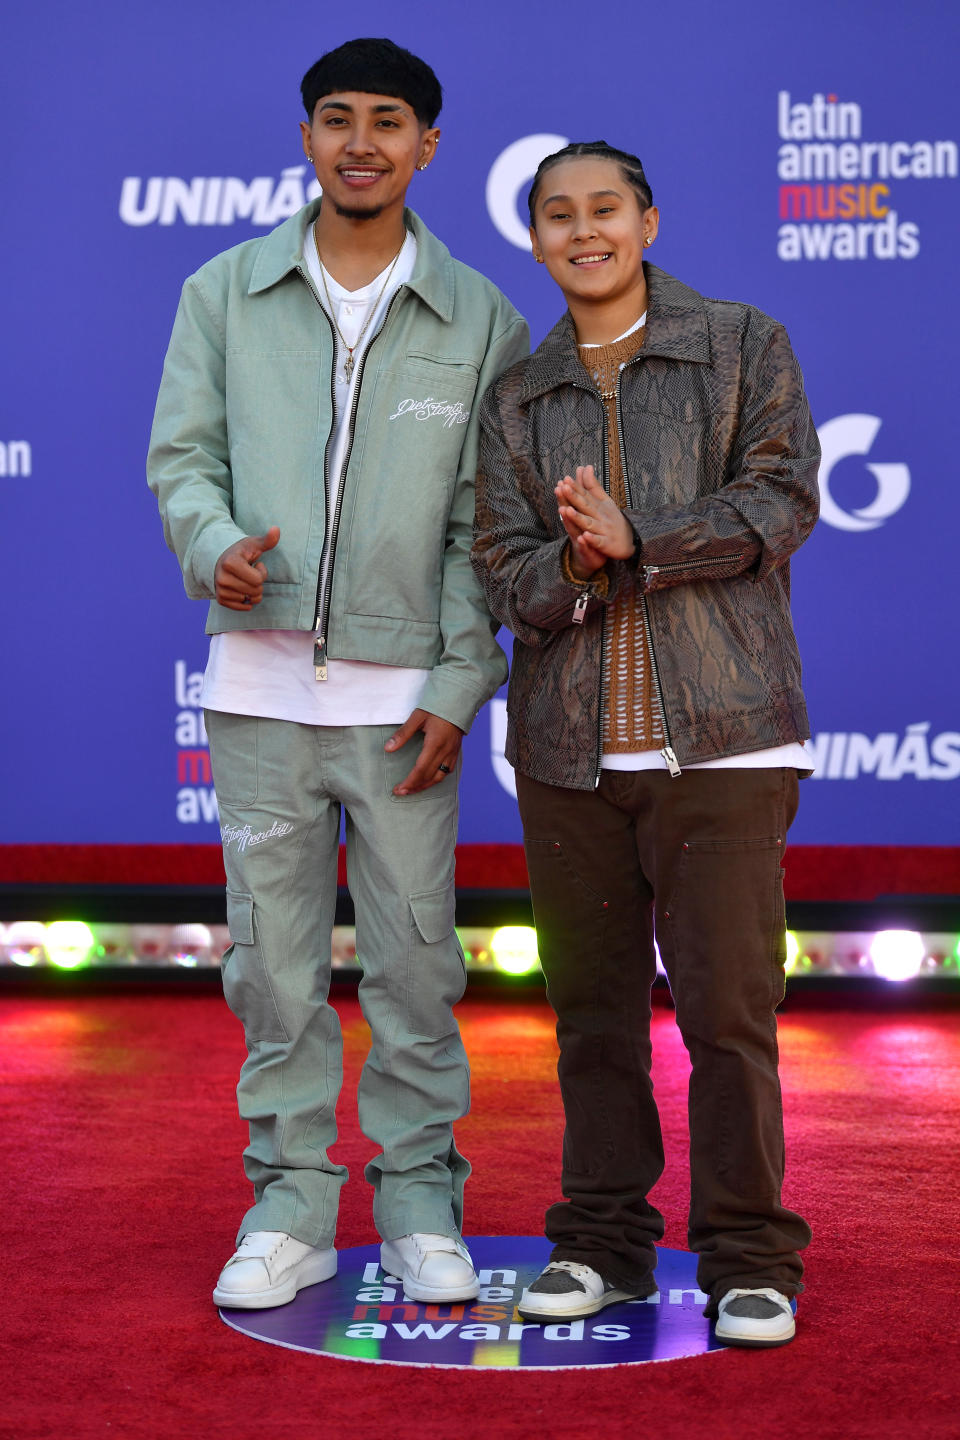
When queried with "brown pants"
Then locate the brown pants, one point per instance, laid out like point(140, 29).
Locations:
point(698, 858)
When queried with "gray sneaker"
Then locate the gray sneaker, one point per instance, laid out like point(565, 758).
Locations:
point(568, 1290)
point(755, 1318)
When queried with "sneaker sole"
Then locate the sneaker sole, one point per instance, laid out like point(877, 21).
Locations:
point(309, 1272)
point(755, 1342)
point(436, 1296)
point(576, 1311)
point(429, 1294)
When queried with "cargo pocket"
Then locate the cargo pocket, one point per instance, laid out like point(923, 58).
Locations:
point(246, 986)
point(436, 973)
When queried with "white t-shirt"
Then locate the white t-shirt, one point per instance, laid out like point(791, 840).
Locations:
point(792, 756)
point(270, 672)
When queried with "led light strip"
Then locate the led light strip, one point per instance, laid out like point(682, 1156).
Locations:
point(509, 950)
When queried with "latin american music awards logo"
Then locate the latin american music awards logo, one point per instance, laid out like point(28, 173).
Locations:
point(362, 1314)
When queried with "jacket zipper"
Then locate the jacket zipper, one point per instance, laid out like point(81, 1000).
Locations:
point(689, 564)
point(667, 754)
point(322, 606)
point(580, 608)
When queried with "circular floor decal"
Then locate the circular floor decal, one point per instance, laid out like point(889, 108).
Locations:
point(362, 1314)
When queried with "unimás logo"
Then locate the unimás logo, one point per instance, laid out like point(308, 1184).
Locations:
point(834, 193)
point(16, 458)
point(853, 435)
point(916, 754)
point(216, 199)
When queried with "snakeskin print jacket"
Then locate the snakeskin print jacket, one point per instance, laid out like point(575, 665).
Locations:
point(720, 457)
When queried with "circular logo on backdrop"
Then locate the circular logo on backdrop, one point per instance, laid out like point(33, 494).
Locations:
point(514, 168)
point(853, 435)
point(363, 1314)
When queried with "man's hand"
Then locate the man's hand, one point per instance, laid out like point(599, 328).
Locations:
point(441, 746)
point(597, 527)
point(240, 573)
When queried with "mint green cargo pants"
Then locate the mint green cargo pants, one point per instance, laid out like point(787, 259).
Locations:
point(280, 788)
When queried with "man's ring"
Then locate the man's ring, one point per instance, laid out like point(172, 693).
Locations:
point(445, 768)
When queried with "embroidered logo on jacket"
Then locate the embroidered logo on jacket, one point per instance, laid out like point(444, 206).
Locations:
point(448, 412)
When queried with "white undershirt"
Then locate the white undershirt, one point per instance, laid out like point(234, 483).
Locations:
point(270, 672)
point(792, 756)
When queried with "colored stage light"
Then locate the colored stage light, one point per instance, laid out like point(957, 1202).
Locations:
point(897, 954)
point(343, 948)
point(114, 945)
point(514, 949)
point(793, 953)
point(26, 943)
point(69, 944)
point(151, 944)
point(190, 946)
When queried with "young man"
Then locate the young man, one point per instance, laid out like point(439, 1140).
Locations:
point(313, 455)
point(656, 727)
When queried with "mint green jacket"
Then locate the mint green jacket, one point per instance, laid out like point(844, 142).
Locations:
point(240, 440)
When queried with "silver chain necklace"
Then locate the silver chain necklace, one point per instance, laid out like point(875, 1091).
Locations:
point(348, 363)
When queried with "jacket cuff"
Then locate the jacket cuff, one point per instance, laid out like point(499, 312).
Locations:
point(443, 696)
point(201, 568)
point(598, 585)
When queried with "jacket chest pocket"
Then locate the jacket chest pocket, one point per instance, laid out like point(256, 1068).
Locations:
point(666, 460)
point(427, 405)
point(565, 430)
point(675, 449)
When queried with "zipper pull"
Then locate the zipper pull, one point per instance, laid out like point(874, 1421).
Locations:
point(320, 657)
point(648, 572)
point(673, 764)
point(580, 609)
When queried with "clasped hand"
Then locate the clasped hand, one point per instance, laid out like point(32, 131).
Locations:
point(597, 528)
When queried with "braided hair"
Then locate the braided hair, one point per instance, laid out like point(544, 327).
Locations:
point(630, 168)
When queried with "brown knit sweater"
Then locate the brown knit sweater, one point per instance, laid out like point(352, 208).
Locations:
point(630, 719)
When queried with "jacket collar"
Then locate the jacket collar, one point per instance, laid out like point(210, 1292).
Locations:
point(282, 251)
point(676, 329)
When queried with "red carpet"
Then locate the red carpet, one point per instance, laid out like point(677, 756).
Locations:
point(122, 1190)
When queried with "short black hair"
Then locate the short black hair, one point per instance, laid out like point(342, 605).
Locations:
point(374, 67)
point(630, 168)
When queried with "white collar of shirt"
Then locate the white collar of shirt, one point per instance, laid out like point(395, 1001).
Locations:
point(351, 307)
point(635, 326)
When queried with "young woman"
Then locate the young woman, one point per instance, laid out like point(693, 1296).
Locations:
point(644, 478)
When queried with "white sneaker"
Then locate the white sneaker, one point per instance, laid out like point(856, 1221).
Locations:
point(755, 1318)
point(269, 1268)
point(568, 1289)
point(434, 1268)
